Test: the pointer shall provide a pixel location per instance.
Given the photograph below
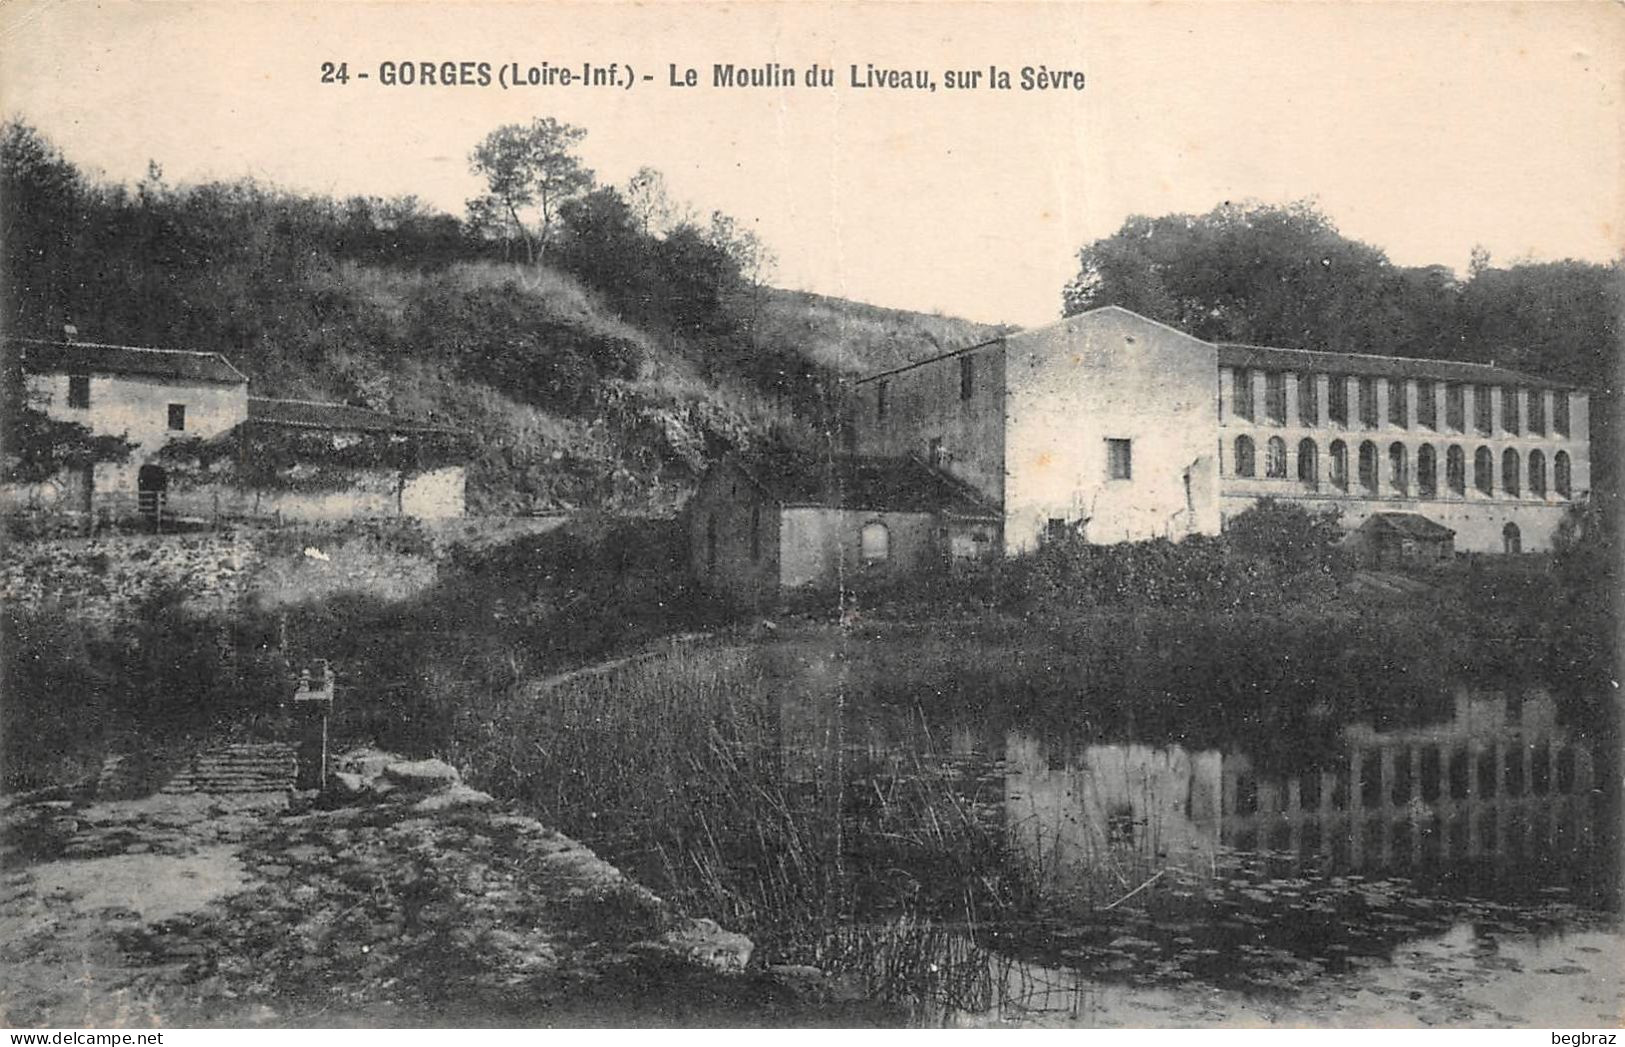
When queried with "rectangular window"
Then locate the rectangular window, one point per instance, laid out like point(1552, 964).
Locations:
point(1455, 407)
point(1482, 409)
point(1242, 393)
point(1337, 399)
point(881, 389)
point(177, 417)
point(1368, 403)
point(1537, 412)
point(1399, 408)
point(79, 391)
point(1275, 397)
point(1119, 459)
point(1308, 399)
point(1560, 413)
point(967, 377)
point(1427, 405)
point(933, 451)
point(1509, 409)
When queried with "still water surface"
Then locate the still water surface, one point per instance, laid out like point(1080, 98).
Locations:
point(1461, 872)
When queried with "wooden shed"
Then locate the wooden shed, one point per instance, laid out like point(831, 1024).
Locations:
point(1403, 539)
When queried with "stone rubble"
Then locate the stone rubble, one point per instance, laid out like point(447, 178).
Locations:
point(400, 889)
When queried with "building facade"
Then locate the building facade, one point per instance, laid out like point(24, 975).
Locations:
point(1127, 429)
point(764, 525)
point(156, 398)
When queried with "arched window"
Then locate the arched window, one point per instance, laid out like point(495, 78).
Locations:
point(755, 533)
point(1244, 456)
point(1398, 468)
point(1455, 470)
point(1510, 472)
point(1484, 471)
point(1537, 474)
point(1560, 474)
point(1511, 539)
point(1308, 463)
point(1275, 458)
point(1427, 471)
point(1368, 467)
point(875, 542)
point(1340, 465)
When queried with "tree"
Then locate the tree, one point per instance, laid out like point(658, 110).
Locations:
point(529, 167)
point(753, 258)
point(697, 281)
point(601, 245)
point(1247, 272)
point(652, 205)
point(42, 209)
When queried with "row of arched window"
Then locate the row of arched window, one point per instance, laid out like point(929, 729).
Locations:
point(1513, 474)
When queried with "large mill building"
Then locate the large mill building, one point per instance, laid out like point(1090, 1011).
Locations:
point(1129, 429)
point(1121, 428)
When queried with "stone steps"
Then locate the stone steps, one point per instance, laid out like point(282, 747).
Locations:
point(238, 769)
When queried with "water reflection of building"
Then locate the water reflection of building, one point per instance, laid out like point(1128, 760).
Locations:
point(1069, 808)
point(1502, 779)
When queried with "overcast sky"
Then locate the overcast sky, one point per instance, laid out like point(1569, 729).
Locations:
point(1422, 129)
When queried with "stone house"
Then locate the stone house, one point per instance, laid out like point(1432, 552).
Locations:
point(163, 398)
point(762, 525)
point(1125, 428)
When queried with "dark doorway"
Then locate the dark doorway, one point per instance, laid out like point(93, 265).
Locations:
point(152, 489)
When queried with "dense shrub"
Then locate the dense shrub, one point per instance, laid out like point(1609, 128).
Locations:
point(77, 692)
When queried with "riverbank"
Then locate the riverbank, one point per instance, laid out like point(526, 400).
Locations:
point(414, 904)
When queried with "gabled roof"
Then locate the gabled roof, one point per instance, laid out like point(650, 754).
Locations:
point(43, 357)
point(317, 414)
point(1268, 358)
point(1408, 525)
point(873, 484)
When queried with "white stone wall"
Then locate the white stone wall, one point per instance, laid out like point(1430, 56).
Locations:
point(1103, 375)
point(821, 546)
point(1479, 519)
point(434, 495)
point(138, 408)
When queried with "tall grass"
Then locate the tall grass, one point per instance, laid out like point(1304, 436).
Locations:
point(686, 766)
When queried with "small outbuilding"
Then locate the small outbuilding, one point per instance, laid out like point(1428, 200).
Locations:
point(763, 525)
point(1402, 539)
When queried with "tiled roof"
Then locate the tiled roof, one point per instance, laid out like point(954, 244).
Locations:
point(42, 357)
point(316, 414)
point(1266, 358)
point(1410, 525)
point(877, 484)
point(1270, 358)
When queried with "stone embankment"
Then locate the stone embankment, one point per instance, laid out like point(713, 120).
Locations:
point(112, 577)
point(403, 897)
